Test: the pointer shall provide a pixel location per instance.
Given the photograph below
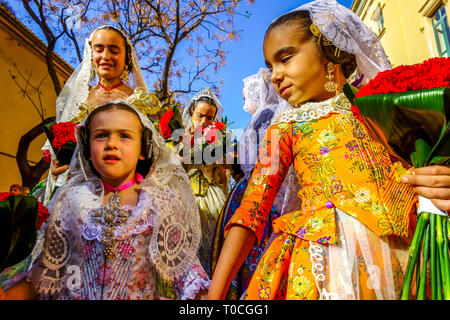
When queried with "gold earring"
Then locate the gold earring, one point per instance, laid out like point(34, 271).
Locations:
point(93, 74)
point(125, 76)
point(330, 85)
point(315, 30)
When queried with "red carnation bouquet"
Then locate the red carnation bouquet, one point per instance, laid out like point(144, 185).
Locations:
point(407, 109)
point(63, 141)
point(169, 122)
point(212, 142)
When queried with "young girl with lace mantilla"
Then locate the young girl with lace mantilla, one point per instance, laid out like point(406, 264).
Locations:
point(113, 233)
point(345, 242)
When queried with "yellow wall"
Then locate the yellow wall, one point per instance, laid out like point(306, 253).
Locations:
point(408, 37)
point(17, 114)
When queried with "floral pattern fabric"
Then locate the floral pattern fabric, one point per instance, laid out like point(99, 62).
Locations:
point(129, 275)
point(338, 168)
point(242, 279)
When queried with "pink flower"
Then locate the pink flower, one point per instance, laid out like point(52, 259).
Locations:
point(47, 156)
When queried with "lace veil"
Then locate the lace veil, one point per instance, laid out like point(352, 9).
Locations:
point(349, 33)
point(76, 90)
point(207, 92)
point(264, 104)
point(176, 231)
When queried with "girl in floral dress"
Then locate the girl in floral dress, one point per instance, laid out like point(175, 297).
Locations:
point(112, 233)
point(348, 239)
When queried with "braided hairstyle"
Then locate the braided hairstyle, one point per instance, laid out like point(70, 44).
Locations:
point(302, 22)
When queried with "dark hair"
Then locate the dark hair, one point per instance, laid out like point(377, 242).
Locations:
point(128, 60)
point(207, 100)
point(143, 166)
point(302, 21)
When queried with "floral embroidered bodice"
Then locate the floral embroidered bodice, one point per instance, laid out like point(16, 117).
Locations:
point(338, 166)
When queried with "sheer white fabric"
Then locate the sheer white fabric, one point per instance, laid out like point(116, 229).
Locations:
point(267, 105)
point(170, 210)
point(76, 89)
point(349, 33)
point(335, 267)
point(75, 92)
point(207, 92)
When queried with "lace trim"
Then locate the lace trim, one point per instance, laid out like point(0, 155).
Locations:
point(142, 221)
point(193, 288)
point(316, 110)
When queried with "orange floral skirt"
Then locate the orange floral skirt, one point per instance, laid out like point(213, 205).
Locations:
point(363, 266)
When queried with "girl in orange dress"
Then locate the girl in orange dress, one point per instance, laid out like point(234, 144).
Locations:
point(349, 238)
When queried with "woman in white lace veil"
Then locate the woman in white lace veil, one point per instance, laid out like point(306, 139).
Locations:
point(85, 90)
point(158, 242)
point(208, 180)
point(85, 87)
point(335, 245)
point(206, 95)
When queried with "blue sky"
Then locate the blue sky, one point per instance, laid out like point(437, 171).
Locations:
point(245, 56)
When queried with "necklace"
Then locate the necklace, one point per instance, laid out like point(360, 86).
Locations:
point(137, 178)
point(111, 215)
point(108, 90)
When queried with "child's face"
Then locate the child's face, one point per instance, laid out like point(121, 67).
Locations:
point(203, 114)
point(115, 144)
point(108, 54)
point(15, 191)
point(298, 70)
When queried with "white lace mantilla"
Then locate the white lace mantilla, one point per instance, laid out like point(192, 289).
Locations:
point(316, 110)
point(141, 218)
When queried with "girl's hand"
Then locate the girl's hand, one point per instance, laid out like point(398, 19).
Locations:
point(432, 182)
point(22, 290)
point(201, 295)
point(58, 168)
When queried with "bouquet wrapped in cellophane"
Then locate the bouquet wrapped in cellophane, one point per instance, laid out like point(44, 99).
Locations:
point(407, 110)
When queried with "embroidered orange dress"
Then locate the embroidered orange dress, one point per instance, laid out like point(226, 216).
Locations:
point(341, 243)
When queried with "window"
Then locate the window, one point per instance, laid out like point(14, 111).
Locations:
point(380, 22)
point(441, 32)
point(378, 18)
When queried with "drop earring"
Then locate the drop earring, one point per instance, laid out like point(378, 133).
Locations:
point(330, 85)
point(93, 73)
point(125, 76)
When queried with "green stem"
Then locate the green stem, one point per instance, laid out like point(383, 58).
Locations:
point(445, 264)
point(422, 290)
point(418, 267)
point(440, 255)
point(433, 218)
point(439, 278)
point(422, 221)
